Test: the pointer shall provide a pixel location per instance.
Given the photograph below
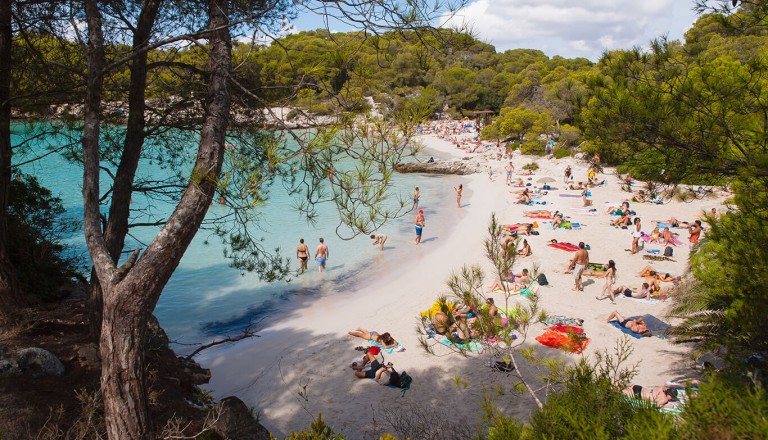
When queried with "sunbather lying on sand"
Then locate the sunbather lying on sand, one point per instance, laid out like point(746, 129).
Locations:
point(640, 197)
point(385, 339)
point(636, 325)
point(664, 396)
point(525, 197)
point(649, 272)
point(516, 229)
point(675, 223)
point(644, 293)
point(538, 213)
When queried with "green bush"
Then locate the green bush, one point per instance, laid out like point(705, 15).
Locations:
point(532, 147)
point(533, 166)
point(36, 227)
point(563, 152)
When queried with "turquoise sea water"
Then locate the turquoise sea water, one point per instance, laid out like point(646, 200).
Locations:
point(205, 297)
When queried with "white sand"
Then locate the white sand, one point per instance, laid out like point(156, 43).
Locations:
point(299, 366)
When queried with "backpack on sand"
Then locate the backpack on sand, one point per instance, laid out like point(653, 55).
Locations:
point(542, 280)
point(668, 251)
point(405, 382)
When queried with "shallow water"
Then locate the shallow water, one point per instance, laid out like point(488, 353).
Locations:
point(205, 297)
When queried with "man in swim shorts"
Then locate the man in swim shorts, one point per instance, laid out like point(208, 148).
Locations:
point(419, 225)
point(302, 253)
point(321, 255)
point(579, 263)
point(510, 169)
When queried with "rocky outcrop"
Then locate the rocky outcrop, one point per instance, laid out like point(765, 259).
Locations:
point(460, 167)
point(236, 422)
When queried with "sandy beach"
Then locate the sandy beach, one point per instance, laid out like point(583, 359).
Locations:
point(298, 367)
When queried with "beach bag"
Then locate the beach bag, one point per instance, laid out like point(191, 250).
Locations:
point(542, 280)
point(668, 251)
point(404, 382)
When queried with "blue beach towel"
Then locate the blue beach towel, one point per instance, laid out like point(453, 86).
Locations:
point(386, 350)
point(625, 330)
point(471, 346)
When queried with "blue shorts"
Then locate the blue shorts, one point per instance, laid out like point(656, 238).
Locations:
point(321, 261)
point(418, 231)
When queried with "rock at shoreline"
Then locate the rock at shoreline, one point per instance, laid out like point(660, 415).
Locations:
point(460, 167)
point(236, 422)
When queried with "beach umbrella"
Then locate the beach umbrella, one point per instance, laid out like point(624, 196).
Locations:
point(546, 180)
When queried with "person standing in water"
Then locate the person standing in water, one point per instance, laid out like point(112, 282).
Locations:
point(379, 238)
point(321, 255)
point(302, 253)
point(416, 199)
point(458, 190)
point(419, 225)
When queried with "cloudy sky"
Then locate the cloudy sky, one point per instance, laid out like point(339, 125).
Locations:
point(575, 28)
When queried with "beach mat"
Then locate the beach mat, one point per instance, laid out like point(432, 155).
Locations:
point(575, 196)
point(560, 319)
point(657, 327)
point(625, 330)
point(473, 345)
point(555, 339)
point(568, 247)
point(640, 300)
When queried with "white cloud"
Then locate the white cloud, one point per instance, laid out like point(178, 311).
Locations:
point(575, 29)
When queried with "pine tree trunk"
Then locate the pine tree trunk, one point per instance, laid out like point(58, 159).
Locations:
point(10, 293)
point(130, 292)
point(122, 187)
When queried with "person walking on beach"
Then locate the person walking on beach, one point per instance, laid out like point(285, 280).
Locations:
point(416, 199)
point(419, 225)
point(610, 280)
point(321, 255)
point(379, 238)
point(302, 253)
point(567, 174)
point(510, 169)
point(458, 190)
point(579, 263)
point(636, 234)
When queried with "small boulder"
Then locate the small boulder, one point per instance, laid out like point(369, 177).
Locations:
point(88, 356)
point(38, 362)
point(235, 421)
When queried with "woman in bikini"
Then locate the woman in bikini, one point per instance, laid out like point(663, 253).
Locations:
point(385, 339)
point(302, 253)
point(636, 234)
point(458, 190)
point(635, 325)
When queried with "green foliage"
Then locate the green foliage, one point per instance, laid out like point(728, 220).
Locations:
point(726, 408)
point(727, 303)
point(563, 152)
point(533, 166)
point(36, 228)
point(535, 148)
point(318, 430)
